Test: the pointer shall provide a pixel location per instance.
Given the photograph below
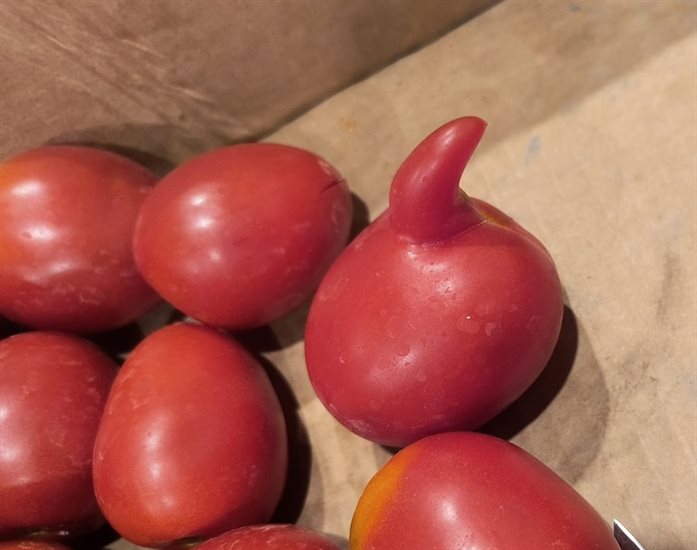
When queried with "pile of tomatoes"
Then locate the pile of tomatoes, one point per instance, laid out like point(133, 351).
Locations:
point(433, 320)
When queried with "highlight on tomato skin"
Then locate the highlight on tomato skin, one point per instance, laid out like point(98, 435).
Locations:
point(67, 216)
point(240, 236)
point(53, 388)
point(469, 490)
point(438, 315)
point(270, 537)
point(192, 442)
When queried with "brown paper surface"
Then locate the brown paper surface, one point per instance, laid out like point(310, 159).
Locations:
point(165, 79)
point(592, 111)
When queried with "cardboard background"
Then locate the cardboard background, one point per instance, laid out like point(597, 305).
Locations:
point(170, 78)
point(592, 111)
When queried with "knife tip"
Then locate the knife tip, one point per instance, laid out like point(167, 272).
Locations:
point(625, 539)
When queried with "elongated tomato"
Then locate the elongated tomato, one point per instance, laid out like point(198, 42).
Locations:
point(471, 491)
point(239, 236)
point(67, 216)
point(192, 442)
point(53, 388)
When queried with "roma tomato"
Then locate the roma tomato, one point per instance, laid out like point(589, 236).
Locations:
point(31, 545)
point(269, 537)
point(238, 237)
point(440, 314)
point(53, 388)
point(66, 224)
point(192, 442)
point(468, 490)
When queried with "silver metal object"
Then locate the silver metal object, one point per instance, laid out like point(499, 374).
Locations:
point(625, 539)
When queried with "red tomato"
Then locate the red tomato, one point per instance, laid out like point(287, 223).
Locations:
point(53, 388)
point(31, 545)
point(238, 237)
point(192, 442)
point(269, 537)
point(440, 314)
point(468, 490)
point(66, 223)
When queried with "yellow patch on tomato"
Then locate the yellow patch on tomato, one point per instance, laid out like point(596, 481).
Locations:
point(375, 498)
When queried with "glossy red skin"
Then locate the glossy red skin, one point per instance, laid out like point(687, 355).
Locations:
point(269, 537)
point(31, 545)
point(470, 491)
point(53, 388)
point(240, 236)
point(192, 442)
point(407, 338)
point(67, 216)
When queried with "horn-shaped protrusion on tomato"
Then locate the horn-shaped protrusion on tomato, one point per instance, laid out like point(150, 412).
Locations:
point(440, 314)
point(426, 203)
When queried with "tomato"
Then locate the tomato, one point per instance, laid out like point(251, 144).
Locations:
point(240, 236)
point(66, 223)
point(440, 314)
point(53, 388)
point(31, 545)
point(192, 442)
point(269, 537)
point(469, 490)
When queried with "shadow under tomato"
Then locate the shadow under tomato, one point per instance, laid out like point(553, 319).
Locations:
point(8, 328)
point(537, 397)
point(391, 451)
point(258, 340)
point(115, 343)
point(158, 165)
point(570, 407)
point(361, 216)
point(279, 334)
point(101, 538)
point(118, 342)
point(341, 542)
point(158, 147)
point(299, 452)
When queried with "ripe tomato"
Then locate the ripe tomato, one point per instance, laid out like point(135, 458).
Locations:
point(66, 224)
point(53, 388)
point(192, 442)
point(238, 237)
point(269, 537)
point(437, 316)
point(468, 490)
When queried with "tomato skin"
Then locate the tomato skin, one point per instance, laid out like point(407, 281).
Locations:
point(469, 490)
point(66, 223)
point(53, 388)
point(420, 329)
point(192, 442)
point(31, 545)
point(240, 236)
point(269, 537)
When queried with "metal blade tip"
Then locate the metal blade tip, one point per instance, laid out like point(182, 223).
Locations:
point(625, 539)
